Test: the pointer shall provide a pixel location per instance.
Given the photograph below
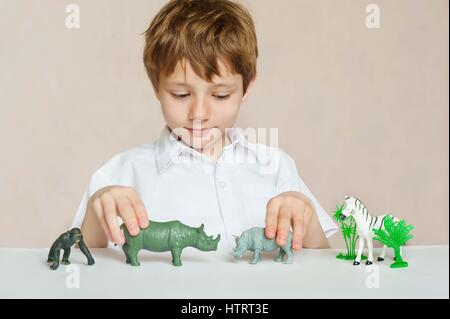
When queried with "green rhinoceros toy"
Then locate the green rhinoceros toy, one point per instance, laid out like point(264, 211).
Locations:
point(165, 236)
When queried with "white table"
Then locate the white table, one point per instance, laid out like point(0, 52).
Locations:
point(314, 274)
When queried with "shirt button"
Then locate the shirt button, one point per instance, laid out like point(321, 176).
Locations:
point(222, 184)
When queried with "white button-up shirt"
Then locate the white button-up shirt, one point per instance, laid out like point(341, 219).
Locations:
point(176, 182)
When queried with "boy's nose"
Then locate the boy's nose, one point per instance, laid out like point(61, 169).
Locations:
point(199, 111)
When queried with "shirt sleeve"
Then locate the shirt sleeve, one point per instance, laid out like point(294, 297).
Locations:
point(289, 180)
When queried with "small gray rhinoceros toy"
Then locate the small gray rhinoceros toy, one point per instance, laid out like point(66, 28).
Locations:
point(254, 239)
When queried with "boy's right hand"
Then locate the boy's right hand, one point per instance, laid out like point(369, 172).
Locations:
point(111, 202)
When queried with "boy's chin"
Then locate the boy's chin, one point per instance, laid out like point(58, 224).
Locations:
point(201, 143)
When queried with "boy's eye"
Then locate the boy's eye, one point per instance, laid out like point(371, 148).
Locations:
point(223, 97)
point(182, 96)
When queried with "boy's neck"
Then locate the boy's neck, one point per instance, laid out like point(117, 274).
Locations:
point(214, 151)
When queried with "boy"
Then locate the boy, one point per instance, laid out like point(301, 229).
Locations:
point(200, 56)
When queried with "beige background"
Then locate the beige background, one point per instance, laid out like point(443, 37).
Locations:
point(362, 111)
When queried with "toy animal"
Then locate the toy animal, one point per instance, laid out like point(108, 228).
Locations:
point(254, 240)
point(170, 236)
point(64, 242)
point(365, 226)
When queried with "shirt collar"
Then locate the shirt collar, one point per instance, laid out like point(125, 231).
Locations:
point(168, 148)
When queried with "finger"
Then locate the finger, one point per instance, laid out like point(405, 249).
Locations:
point(128, 215)
point(298, 231)
point(109, 209)
point(98, 209)
point(307, 219)
point(284, 225)
point(139, 208)
point(272, 217)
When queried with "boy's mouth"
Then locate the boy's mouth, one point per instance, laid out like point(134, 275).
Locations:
point(198, 131)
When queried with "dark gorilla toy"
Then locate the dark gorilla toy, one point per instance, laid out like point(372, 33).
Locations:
point(65, 241)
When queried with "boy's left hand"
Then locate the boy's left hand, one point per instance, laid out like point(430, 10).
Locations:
point(284, 210)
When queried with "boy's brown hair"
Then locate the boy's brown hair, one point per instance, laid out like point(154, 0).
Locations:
point(201, 32)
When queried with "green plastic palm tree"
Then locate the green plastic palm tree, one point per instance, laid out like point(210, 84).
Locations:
point(394, 235)
point(348, 230)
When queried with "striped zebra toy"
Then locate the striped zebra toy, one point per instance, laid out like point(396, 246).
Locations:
point(365, 224)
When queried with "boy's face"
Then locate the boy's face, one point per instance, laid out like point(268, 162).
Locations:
point(199, 110)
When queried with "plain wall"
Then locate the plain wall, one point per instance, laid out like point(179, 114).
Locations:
point(362, 111)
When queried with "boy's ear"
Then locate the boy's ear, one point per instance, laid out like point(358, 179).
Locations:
point(249, 89)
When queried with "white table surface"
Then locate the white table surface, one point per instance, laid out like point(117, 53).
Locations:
point(24, 273)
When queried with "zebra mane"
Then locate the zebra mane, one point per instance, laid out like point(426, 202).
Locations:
point(360, 206)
